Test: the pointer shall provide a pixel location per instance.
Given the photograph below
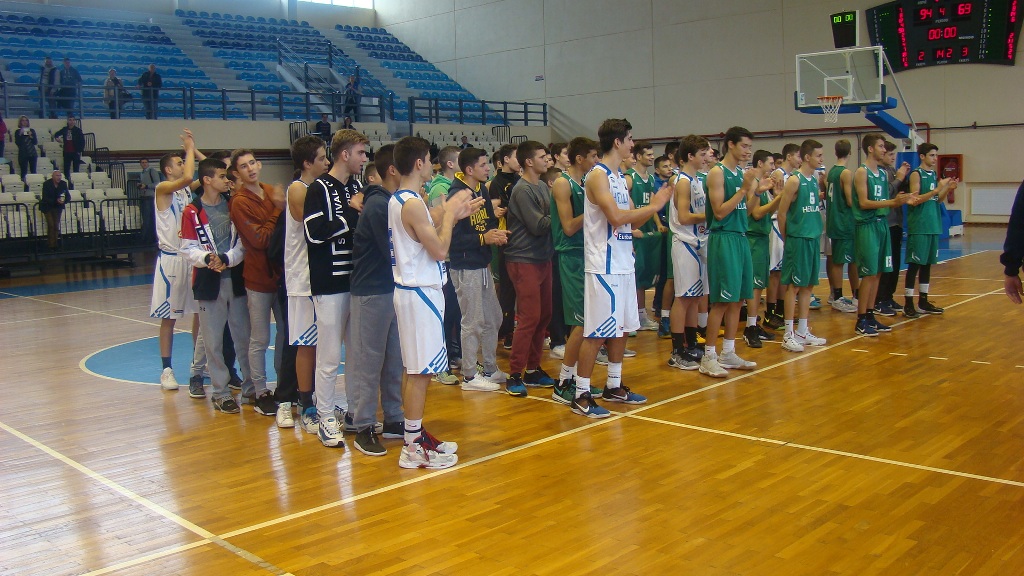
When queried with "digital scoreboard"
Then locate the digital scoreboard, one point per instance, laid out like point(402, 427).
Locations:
point(916, 33)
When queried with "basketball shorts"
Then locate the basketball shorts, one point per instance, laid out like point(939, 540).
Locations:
point(691, 264)
point(776, 248)
point(647, 250)
point(802, 262)
point(570, 269)
point(420, 311)
point(669, 269)
point(172, 295)
point(922, 249)
point(760, 259)
point(730, 272)
point(609, 304)
point(871, 249)
point(842, 250)
point(301, 321)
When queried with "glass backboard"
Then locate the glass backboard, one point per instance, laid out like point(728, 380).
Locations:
point(854, 73)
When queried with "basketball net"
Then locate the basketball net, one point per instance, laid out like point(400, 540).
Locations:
point(830, 107)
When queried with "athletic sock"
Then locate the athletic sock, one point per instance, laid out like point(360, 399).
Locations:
point(728, 346)
point(678, 342)
point(789, 326)
point(801, 326)
point(691, 336)
point(564, 373)
point(665, 313)
point(702, 319)
point(306, 400)
point(412, 430)
point(709, 350)
point(751, 321)
point(614, 375)
point(582, 386)
point(166, 361)
point(837, 294)
point(909, 293)
point(924, 292)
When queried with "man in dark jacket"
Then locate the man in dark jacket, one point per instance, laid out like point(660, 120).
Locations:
point(470, 255)
point(55, 195)
point(74, 144)
point(150, 82)
point(69, 80)
point(1013, 249)
point(374, 353)
point(500, 188)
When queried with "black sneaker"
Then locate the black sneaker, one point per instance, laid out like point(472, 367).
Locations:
point(266, 404)
point(195, 387)
point(226, 405)
point(751, 337)
point(927, 307)
point(234, 383)
point(895, 305)
point(909, 311)
point(508, 342)
point(772, 322)
point(764, 334)
point(393, 430)
point(538, 379)
point(564, 392)
point(367, 442)
point(884, 309)
point(695, 352)
point(878, 325)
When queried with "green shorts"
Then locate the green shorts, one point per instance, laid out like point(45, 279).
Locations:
point(648, 251)
point(759, 248)
point(842, 250)
point(667, 255)
point(922, 249)
point(872, 248)
point(570, 268)
point(801, 262)
point(730, 273)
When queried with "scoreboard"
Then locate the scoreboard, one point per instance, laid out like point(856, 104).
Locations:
point(916, 33)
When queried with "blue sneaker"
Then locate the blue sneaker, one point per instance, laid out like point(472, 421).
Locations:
point(622, 394)
point(586, 406)
point(664, 330)
point(564, 391)
point(865, 328)
point(815, 303)
point(878, 326)
point(515, 387)
point(538, 379)
point(884, 309)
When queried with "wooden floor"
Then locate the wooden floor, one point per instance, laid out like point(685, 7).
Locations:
point(895, 455)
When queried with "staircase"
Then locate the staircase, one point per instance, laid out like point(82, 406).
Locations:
point(371, 65)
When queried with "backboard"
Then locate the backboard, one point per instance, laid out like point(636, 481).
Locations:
point(856, 74)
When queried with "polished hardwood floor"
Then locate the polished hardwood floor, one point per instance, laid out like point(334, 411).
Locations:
point(898, 455)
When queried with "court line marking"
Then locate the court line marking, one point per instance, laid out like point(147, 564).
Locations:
point(937, 358)
point(43, 318)
point(784, 443)
point(148, 323)
point(979, 362)
point(963, 278)
point(142, 501)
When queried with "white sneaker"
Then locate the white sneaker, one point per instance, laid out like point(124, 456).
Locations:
point(496, 377)
point(709, 365)
point(790, 342)
point(310, 421)
point(627, 353)
point(284, 415)
point(329, 433)
point(810, 339)
point(602, 358)
point(416, 456)
point(167, 381)
point(647, 324)
point(558, 351)
point(479, 384)
point(844, 305)
point(731, 360)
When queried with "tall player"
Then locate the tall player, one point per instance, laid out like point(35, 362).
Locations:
point(759, 230)
point(172, 280)
point(801, 226)
point(839, 227)
point(647, 238)
point(924, 222)
point(730, 272)
point(871, 205)
point(609, 300)
point(418, 251)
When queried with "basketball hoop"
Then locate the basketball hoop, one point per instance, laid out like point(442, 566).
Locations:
point(830, 107)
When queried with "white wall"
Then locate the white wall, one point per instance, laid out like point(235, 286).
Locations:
point(675, 67)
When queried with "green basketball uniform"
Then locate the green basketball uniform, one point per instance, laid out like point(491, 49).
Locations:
point(646, 248)
point(926, 217)
point(565, 243)
point(570, 256)
point(800, 256)
point(872, 248)
point(437, 189)
point(878, 190)
point(839, 217)
point(760, 246)
point(730, 271)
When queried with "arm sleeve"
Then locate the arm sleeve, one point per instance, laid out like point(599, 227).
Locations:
point(1013, 248)
point(236, 254)
point(246, 217)
point(190, 247)
point(527, 207)
point(319, 226)
point(377, 220)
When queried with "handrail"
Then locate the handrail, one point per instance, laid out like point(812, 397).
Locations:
point(461, 111)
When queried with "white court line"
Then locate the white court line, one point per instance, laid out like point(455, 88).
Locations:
point(979, 362)
point(142, 501)
point(937, 358)
point(44, 318)
point(897, 354)
point(962, 256)
point(34, 299)
point(834, 452)
point(962, 278)
point(858, 350)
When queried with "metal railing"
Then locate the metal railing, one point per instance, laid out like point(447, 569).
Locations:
point(448, 110)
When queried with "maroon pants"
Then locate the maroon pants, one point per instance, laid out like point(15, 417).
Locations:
point(533, 312)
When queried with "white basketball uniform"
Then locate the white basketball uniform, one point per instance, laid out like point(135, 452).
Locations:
point(609, 288)
point(172, 280)
point(419, 301)
point(689, 244)
point(301, 314)
point(776, 244)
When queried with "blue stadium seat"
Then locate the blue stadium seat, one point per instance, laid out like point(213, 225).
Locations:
point(204, 15)
point(179, 13)
point(215, 15)
point(193, 14)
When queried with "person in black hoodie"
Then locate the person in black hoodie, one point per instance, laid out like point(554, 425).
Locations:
point(470, 255)
point(501, 188)
point(374, 354)
point(74, 144)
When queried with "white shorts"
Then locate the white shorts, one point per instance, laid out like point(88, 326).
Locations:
point(826, 245)
point(420, 312)
point(301, 321)
point(689, 269)
point(172, 288)
point(776, 246)
point(609, 305)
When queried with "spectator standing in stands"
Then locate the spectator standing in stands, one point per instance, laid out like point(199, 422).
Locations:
point(3, 135)
point(69, 80)
point(28, 146)
point(465, 143)
point(47, 94)
point(323, 129)
point(150, 82)
point(113, 90)
point(55, 195)
point(352, 94)
point(74, 144)
point(149, 177)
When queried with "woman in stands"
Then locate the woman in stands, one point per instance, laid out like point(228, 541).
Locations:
point(28, 147)
point(113, 90)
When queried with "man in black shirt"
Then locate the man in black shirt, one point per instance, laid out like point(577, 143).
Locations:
point(74, 144)
point(323, 129)
point(150, 82)
point(500, 188)
point(55, 195)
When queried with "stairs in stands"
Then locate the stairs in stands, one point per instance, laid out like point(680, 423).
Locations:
point(337, 37)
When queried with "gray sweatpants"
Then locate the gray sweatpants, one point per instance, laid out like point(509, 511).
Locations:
point(374, 360)
point(481, 317)
point(213, 314)
point(260, 306)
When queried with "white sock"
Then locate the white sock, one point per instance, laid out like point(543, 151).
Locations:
point(582, 386)
point(574, 368)
point(702, 319)
point(412, 430)
point(614, 375)
point(728, 346)
point(909, 292)
point(789, 326)
point(642, 312)
point(664, 313)
point(751, 320)
point(924, 290)
point(709, 350)
point(801, 327)
point(564, 373)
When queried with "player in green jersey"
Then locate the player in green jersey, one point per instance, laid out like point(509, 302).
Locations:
point(924, 223)
point(839, 227)
point(647, 238)
point(759, 228)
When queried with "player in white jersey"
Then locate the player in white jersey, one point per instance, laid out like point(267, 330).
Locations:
point(418, 251)
point(309, 156)
point(688, 223)
point(785, 165)
point(172, 279)
point(609, 289)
